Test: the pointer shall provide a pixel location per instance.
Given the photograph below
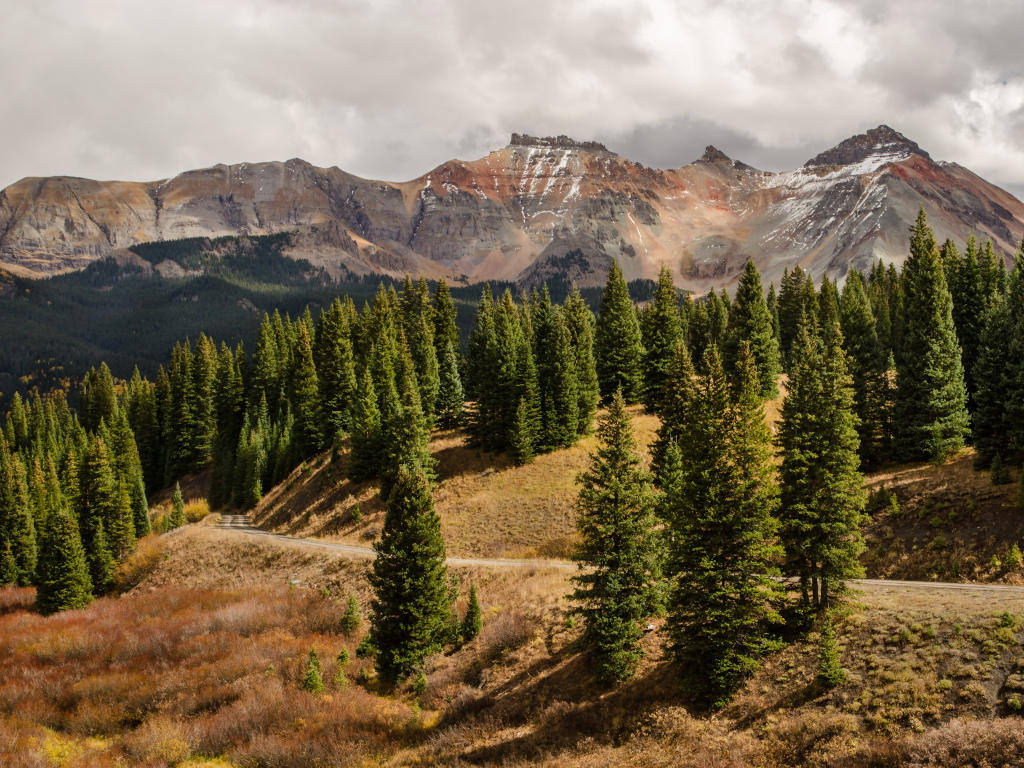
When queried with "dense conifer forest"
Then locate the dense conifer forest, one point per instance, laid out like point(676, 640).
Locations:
point(894, 367)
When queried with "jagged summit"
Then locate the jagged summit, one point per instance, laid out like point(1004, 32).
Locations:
point(880, 142)
point(555, 142)
point(713, 154)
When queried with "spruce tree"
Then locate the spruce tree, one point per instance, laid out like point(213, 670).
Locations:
point(867, 369)
point(336, 372)
point(228, 406)
point(618, 346)
point(204, 373)
point(481, 367)
point(412, 603)
point(98, 511)
point(750, 321)
point(100, 562)
point(1014, 375)
point(796, 299)
point(823, 494)
point(718, 321)
point(971, 301)
point(699, 330)
point(63, 578)
point(418, 326)
point(446, 330)
point(185, 429)
point(472, 622)
point(304, 391)
point(17, 527)
point(556, 376)
point(579, 320)
point(662, 333)
point(17, 421)
point(718, 501)
point(617, 550)
point(931, 399)
point(313, 680)
point(8, 566)
point(177, 516)
point(140, 509)
point(828, 303)
point(991, 422)
point(366, 438)
point(97, 399)
point(122, 524)
point(407, 439)
point(830, 673)
point(676, 410)
point(451, 398)
point(523, 435)
point(352, 618)
point(772, 302)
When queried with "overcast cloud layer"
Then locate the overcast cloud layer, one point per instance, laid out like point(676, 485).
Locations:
point(143, 90)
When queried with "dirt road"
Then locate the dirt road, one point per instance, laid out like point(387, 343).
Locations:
point(242, 525)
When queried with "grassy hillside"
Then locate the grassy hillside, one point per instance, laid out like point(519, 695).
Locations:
point(200, 663)
point(946, 523)
point(489, 507)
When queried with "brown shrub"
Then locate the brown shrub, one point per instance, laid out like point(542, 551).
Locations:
point(14, 599)
point(505, 632)
point(969, 743)
point(18, 746)
point(158, 740)
point(804, 738)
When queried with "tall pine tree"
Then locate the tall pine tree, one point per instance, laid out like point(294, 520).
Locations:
point(662, 333)
point(411, 606)
point(823, 492)
point(931, 400)
point(618, 345)
point(751, 321)
point(718, 501)
point(617, 551)
point(63, 579)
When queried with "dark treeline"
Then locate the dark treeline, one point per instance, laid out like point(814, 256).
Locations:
point(72, 494)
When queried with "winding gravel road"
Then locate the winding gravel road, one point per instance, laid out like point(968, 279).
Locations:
point(242, 525)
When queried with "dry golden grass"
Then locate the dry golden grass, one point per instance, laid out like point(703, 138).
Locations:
point(488, 506)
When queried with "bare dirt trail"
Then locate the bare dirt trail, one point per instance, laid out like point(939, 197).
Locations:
point(241, 524)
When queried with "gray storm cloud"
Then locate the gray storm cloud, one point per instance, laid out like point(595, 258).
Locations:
point(389, 89)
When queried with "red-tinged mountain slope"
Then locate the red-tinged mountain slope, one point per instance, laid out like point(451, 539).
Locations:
point(517, 212)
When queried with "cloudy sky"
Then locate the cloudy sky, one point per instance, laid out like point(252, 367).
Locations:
point(389, 89)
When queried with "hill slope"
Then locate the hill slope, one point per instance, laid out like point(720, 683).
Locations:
point(514, 214)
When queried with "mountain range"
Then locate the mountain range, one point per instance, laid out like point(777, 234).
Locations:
point(522, 211)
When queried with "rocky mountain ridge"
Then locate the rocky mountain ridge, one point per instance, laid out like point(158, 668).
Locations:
point(515, 213)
